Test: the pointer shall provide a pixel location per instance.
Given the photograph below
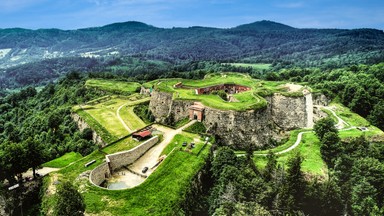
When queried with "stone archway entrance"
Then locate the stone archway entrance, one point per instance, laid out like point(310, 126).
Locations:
point(196, 112)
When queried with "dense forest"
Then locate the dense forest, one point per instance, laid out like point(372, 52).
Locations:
point(233, 185)
point(36, 126)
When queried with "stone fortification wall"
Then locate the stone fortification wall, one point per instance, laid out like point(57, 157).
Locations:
point(81, 124)
point(229, 88)
point(120, 159)
point(241, 129)
point(99, 174)
point(160, 105)
point(167, 110)
point(288, 113)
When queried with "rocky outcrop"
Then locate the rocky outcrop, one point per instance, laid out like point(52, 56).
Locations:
point(81, 124)
point(145, 91)
point(242, 129)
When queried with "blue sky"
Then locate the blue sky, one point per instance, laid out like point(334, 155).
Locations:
point(73, 14)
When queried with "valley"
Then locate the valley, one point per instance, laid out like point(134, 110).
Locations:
point(159, 181)
point(132, 119)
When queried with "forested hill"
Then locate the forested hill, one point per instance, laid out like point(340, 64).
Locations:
point(262, 41)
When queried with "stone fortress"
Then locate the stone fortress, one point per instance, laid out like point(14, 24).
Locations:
point(242, 128)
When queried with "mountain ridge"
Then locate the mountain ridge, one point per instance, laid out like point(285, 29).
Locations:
point(261, 41)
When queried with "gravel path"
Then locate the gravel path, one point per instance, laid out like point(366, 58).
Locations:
point(149, 159)
point(121, 120)
point(340, 122)
point(127, 179)
point(43, 171)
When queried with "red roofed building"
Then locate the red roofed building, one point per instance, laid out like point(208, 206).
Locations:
point(142, 135)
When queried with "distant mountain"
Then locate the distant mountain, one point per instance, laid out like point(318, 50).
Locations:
point(258, 41)
point(262, 41)
point(265, 25)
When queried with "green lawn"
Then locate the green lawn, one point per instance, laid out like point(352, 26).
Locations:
point(105, 114)
point(356, 120)
point(182, 122)
point(254, 66)
point(178, 140)
point(115, 87)
point(160, 194)
point(252, 99)
point(63, 160)
point(350, 117)
point(95, 125)
point(122, 145)
point(130, 118)
point(102, 116)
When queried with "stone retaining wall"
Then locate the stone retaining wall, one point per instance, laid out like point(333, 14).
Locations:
point(118, 160)
point(99, 174)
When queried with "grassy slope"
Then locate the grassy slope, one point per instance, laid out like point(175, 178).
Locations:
point(309, 149)
point(105, 114)
point(247, 100)
point(63, 160)
point(113, 86)
point(130, 118)
point(95, 125)
point(158, 195)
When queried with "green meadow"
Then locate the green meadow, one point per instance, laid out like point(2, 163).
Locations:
point(113, 86)
point(103, 115)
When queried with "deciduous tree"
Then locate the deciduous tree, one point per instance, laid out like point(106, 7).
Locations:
point(324, 126)
point(69, 201)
